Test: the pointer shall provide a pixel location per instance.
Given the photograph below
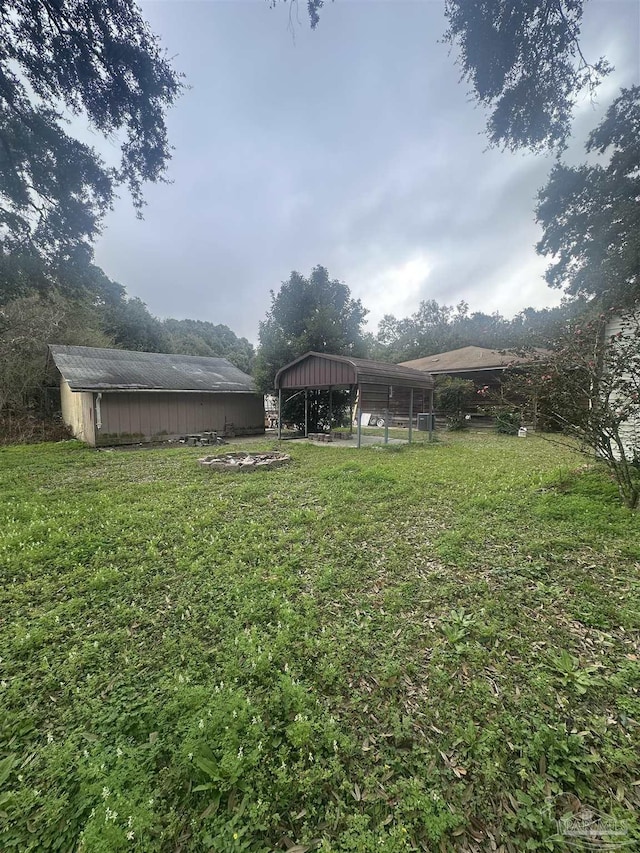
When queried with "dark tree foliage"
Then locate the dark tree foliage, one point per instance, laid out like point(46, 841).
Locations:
point(131, 326)
point(315, 313)
point(524, 61)
point(591, 214)
point(313, 8)
point(199, 337)
point(94, 59)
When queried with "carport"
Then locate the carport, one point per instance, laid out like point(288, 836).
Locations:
point(391, 388)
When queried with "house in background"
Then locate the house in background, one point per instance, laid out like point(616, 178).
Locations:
point(483, 366)
point(111, 396)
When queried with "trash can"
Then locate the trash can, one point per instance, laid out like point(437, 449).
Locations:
point(423, 421)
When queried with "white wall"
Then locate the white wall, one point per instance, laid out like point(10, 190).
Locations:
point(77, 412)
point(630, 431)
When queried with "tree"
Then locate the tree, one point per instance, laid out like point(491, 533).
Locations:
point(591, 214)
point(131, 326)
point(199, 337)
point(589, 385)
point(61, 58)
point(314, 313)
point(435, 328)
point(27, 325)
point(523, 60)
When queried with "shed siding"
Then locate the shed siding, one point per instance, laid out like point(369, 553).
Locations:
point(138, 416)
point(77, 412)
point(630, 432)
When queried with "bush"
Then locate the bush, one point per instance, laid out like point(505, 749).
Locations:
point(456, 423)
point(508, 423)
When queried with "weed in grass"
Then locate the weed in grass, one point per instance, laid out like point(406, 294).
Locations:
point(357, 653)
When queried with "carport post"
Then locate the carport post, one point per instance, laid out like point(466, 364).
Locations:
point(350, 409)
point(410, 413)
point(306, 413)
point(330, 408)
point(279, 414)
point(386, 418)
point(359, 414)
point(431, 415)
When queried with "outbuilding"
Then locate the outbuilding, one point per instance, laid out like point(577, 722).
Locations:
point(111, 396)
point(391, 389)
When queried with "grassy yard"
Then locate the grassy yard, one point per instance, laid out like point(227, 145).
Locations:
point(391, 649)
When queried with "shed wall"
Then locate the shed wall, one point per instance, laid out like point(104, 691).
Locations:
point(133, 416)
point(78, 412)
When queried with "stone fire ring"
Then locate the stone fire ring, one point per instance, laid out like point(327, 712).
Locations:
point(244, 461)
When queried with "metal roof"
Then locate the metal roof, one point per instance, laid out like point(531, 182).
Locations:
point(95, 369)
point(321, 370)
point(468, 359)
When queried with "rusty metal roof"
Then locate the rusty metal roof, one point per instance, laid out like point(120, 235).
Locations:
point(468, 359)
point(321, 370)
point(96, 369)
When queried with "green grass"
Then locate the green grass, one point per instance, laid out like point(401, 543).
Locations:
point(390, 649)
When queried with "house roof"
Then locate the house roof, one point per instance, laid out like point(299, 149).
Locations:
point(469, 359)
point(321, 370)
point(95, 369)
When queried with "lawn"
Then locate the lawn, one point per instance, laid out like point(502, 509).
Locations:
point(387, 649)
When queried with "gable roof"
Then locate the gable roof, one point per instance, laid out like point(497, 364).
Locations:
point(96, 369)
point(467, 359)
point(322, 370)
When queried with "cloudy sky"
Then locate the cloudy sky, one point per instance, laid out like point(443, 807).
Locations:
point(355, 147)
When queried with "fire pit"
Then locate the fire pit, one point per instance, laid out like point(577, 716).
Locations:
point(244, 461)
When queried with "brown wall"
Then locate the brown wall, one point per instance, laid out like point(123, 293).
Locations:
point(132, 416)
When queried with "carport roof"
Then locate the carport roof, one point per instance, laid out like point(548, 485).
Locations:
point(322, 370)
point(97, 369)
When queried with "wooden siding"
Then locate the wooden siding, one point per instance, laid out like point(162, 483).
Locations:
point(374, 399)
point(133, 416)
point(630, 431)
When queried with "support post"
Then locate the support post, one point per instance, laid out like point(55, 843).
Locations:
point(410, 414)
point(330, 408)
point(350, 409)
point(306, 413)
point(431, 415)
point(279, 414)
point(386, 418)
point(359, 414)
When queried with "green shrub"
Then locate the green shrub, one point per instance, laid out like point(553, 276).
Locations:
point(508, 423)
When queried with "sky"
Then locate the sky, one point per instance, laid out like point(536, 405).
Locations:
point(354, 146)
